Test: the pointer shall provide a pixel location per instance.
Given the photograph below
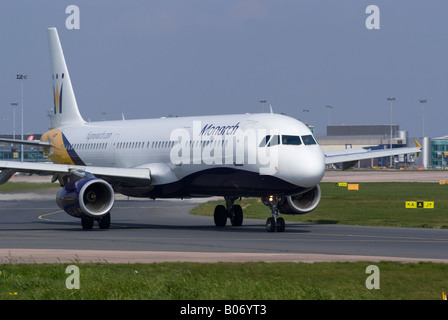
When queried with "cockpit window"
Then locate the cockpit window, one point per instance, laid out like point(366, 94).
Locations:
point(292, 140)
point(275, 140)
point(265, 141)
point(287, 140)
point(308, 140)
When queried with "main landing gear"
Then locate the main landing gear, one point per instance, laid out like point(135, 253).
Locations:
point(275, 223)
point(235, 213)
point(232, 211)
point(103, 222)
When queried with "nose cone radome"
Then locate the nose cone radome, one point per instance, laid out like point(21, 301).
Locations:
point(314, 170)
point(306, 167)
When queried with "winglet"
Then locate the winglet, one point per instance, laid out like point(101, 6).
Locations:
point(418, 145)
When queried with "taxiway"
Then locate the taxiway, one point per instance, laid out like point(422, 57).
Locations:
point(36, 230)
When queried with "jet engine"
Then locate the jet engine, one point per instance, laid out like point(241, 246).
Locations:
point(91, 197)
point(301, 203)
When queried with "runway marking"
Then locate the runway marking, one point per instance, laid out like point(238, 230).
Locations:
point(370, 236)
point(41, 217)
point(231, 239)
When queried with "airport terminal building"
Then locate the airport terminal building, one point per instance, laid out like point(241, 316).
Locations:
point(9, 151)
point(370, 136)
point(433, 156)
point(435, 152)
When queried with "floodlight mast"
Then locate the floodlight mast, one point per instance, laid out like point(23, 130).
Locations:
point(423, 101)
point(391, 99)
point(14, 105)
point(22, 77)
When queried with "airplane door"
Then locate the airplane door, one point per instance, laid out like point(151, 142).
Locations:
point(113, 149)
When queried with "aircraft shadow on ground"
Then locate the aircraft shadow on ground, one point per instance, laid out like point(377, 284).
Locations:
point(254, 228)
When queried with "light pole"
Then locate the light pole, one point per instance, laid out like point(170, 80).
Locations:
point(422, 101)
point(390, 102)
point(50, 115)
point(14, 105)
point(263, 101)
point(303, 117)
point(329, 113)
point(329, 116)
point(306, 110)
point(22, 77)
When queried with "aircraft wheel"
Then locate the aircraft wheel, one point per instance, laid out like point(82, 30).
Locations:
point(220, 216)
point(104, 221)
point(280, 225)
point(237, 218)
point(270, 225)
point(87, 223)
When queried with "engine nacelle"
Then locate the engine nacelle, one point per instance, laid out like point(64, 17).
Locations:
point(91, 197)
point(301, 203)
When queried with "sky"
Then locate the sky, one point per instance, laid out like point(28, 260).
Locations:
point(149, 59)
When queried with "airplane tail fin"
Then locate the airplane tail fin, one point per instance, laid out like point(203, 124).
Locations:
point(418, 145)
point(65, 107)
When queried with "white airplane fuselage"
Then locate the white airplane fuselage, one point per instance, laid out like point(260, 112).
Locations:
point(199, 156)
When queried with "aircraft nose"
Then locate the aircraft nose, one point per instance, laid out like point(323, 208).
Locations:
point(307, 167)
point(312, 168)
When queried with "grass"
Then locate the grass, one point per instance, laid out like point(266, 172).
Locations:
point(374, 204)
point(27, 186)
point(380, 204)
point(225, 281)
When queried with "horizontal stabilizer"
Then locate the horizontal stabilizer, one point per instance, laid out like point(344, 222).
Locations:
point(36, 143)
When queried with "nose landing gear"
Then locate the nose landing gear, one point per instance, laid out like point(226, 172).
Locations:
point(275, 223)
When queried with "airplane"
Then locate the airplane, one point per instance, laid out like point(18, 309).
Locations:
point(271, 156)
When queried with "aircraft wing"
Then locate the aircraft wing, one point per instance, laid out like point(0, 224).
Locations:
point(349, 157)
point(135, 176)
